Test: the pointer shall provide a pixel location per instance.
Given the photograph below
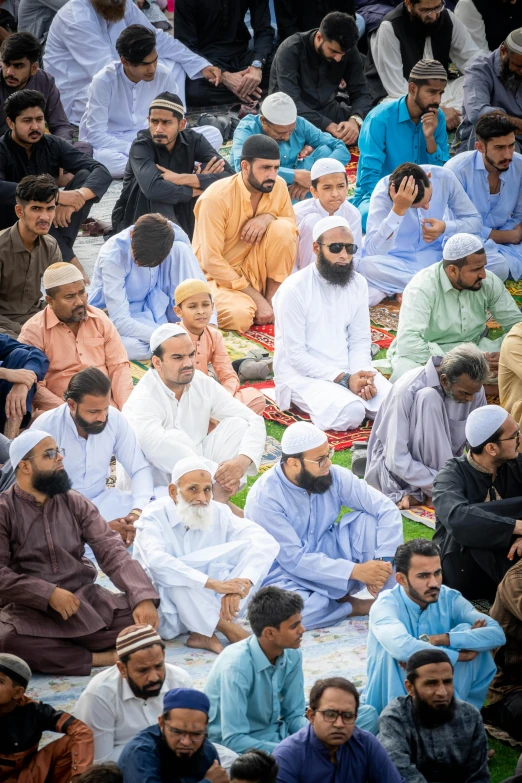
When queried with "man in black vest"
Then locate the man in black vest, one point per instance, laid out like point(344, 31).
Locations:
point(416, 30)
point(489, 24)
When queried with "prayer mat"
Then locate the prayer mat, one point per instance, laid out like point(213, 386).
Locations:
point(501, 735)
point(386, 314)
point(351, 169)
point(422, 514)
point(264, 335)
point(138, 370)
point(482, 605)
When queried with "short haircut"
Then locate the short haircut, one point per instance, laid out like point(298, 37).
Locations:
point(417, 546)
point(106, 772)
point(461, 262)
point(89, 381)
point(424, 658)
point(40, 187)
point(411, 170)
point(272, 606)
point(424, 82)
point(492, 439)
point(491, 126)
point(166, 714)
point(286, 457)
point(256, 766)
point(342, 684)
point(126, 658)
point(20, 46)
point(340, 28)
point(465, 359)
point(135, 43)
point(315, 182)
point(22, 100)
point(152, 239)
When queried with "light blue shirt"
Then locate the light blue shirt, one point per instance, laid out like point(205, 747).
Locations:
point(254, 704)
point(388, 138)
point(304, 133)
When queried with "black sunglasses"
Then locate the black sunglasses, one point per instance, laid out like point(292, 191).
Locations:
point(336, 247)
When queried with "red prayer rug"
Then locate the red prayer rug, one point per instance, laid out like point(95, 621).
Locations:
point(422, 514)
point(264, 335)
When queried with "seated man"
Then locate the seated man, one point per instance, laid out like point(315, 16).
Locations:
point(43, 573)
point(310, 66)
point(135, 276)
point(510, 372)
point(221, 36)
point(23, 723)
point(399, 242)
point(161, 174)
point(299, 502)
point(21, 366)
point(489, 25)
point(296, 16)
point(300, 142)
point(166, 751)
point(408, 129)
point(74, 335)
point(120, 95)
point(27, 139)
point(194, 308)
point(171, 408)
point(245, 237)
point(420, 424)
point(329, 189)
point(206, 561)
point(429, 734)
point(421, 612)
point(322, 360)
point(448, 304)
point(491, 175)
point(419, 29)
point(492, 83)
point(332, 737)
point(477, 501)
point(91, 431)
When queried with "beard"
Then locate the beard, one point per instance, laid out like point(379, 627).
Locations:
point(144, 693)
point(511, 81)
point(91, 428)
point(496, 166)
point(426, 29)
point(335, 274)
point(194, 517)
point(263, 187)
point(317, 485)
point(51, 482)
point(431, 717)
point(111, 10)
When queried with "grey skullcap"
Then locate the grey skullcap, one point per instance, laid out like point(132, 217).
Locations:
point(261, 146)
point(428, 69)
point(15, 668)
point(514, 41)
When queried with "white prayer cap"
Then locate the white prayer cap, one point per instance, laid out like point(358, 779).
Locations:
point(164, 332)
point(279, 108)
point(326, 166)
point(23, 444)
point(483, 422)
point(460, 246)
point(187, 465)
point(60, 273)
point(300, 437)
point(514, 41)
point(325, 224)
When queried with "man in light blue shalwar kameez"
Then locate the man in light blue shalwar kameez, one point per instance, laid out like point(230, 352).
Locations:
point(420, 612)
point(139, 293)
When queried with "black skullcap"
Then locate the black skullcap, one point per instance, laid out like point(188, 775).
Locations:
point(425, 657)
point(261, 146)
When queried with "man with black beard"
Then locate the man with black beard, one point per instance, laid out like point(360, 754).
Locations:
point(429, 734)
point(322, 359)
point(325, 559)
point(54, 615)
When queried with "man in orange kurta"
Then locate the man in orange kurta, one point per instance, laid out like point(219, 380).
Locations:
point(245, 237)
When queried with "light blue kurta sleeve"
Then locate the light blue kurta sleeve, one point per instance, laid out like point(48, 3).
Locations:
point(479, 639)
point(130, 456)
point(466, 218)
point(383, 223)
point(318, 138)
point(293, 701)
point(247, 127)
point(372, 147)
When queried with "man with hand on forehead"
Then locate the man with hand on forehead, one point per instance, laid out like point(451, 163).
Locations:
point(322, 359)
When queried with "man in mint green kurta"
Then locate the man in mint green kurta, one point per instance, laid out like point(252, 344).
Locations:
point(446, 304)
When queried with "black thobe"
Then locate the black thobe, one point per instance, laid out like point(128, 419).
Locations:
point(145, 190)
point(475, 519)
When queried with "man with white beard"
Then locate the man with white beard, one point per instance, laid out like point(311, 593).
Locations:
point(205, 561)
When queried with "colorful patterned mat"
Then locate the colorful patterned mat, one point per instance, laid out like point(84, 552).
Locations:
point(422, 514)
point(264, 335)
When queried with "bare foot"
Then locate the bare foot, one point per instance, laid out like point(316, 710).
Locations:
point(408, 501)
point(428, 502)
point(491, 753)
point(105, 658)
point(200, 642)
point(12, 428)
point(232, 631)
point(398, 298)
point(360, 606)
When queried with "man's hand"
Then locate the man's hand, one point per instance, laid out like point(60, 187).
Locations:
point(27, 377)
point(303, 178)
point(229, 586)
point(467, 655)
point(429, 121)
point(16, 401)
point(64, 602)
point(264, 312)
point(360, 380)
point(405, 196)
point(516, 549)
point(230, 471)
point(347, 131)
point(297, 193)
point(71, 198)
point(432, 229)
point(216, 773)
point(440, 639)
point(212, 74)
point(62, 216)
point(478, 624)
point(305, 152)
point(250, 81)
point(452, 117)
point(230, 607)
point(254, 229)
point(373, 572)
point(493, 360)
point(168, 175)
point(125, 527)
point(214, 166)
point(145, 613)
point(232, 81)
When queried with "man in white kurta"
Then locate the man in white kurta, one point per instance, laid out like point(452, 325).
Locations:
point(322, 359)
point(329, 197)
point(206, 561)
point(171, 408)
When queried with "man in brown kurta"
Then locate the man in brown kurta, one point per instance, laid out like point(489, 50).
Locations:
point(53, 614)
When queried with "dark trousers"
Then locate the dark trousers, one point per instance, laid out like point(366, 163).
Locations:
point(15, 361)
point(476, 573)
point(506, 714)
point(66, 237)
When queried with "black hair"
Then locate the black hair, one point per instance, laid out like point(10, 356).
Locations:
point(417, 546)
point(342, 684)
point(341, 28)
point(166, 714)
point(152, 240)
point(106, 772)
point(492, 125)
point(22, 100)
point(411, 170)
point(424, 658)
point(286, 457)
point(256, 766)
point(135, 43)
point(315, 181)
point(40, 187)
point(461, 262)
point(89, 381)
point(492, 439)
point(272, 606)
point(20, 46)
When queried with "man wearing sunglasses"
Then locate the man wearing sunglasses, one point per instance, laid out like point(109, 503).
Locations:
point(478, 503)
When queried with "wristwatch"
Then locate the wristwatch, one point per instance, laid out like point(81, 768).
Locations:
point(345, 380)
point(424, 638)
point(257, 64)
point(357, 119)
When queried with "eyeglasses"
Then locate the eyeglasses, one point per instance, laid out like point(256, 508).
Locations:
point(49, 454)
point(516, 436)
point(336, 247)
point(193, 735)
point(429, 11)
point(330, 716)
point(321, 461)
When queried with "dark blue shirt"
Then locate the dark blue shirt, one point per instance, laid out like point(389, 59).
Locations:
point(35, 359)
point(303, 758)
